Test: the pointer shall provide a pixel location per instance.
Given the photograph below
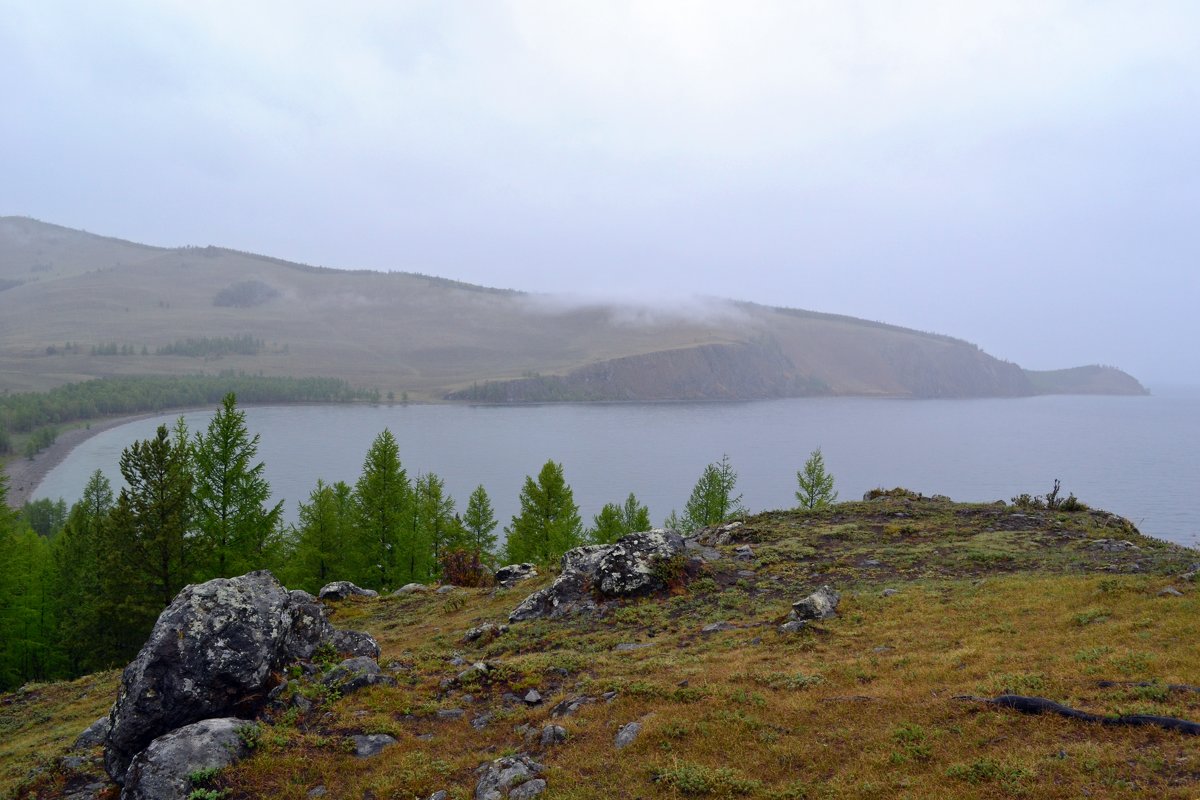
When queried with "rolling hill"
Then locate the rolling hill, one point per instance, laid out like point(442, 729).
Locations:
point(74, 305)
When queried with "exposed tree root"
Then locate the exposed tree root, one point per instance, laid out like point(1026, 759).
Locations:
point(1040, 705)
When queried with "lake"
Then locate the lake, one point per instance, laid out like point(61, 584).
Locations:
point(1135, 456)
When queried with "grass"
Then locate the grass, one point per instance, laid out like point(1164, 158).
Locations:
point(861, 705)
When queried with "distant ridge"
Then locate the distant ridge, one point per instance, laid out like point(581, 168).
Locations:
point(76, 305)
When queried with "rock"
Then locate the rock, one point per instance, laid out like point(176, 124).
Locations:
point(569, 706)
point(440, 794)
point(211, 653)
point(340, 590)
point(1171, 591)
point(608, 697)
point(355, 643)
point(476, 672)
point(1189, 576)
point(743, 552)
point(717, 627)
point(821, 604)
point(627, 734)
point(1113, 545)
point(793, 626)
point(627, 568)
point(890, 592)
point(500, 778)
point(318, 791)
point(356, 673)
point(720, 535)
point(481, 722)
point(553, 734)
point(704, 552)
point(409, 588)
point(93, 735)
point(629, 647)
point(533, 697)
point(161, 770)
point(451, 713)
point(513, 574)
point(371, 745)
point(872, 562)
point(528, 789)
point(486, 632)
point(447, 589)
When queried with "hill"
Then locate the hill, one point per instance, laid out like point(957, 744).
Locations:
point(74, 305)
point(942, 605)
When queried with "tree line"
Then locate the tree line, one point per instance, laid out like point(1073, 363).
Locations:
point(80, 588)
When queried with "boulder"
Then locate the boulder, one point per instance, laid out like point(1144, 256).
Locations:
point(355, 643)
point(340, 590)
point(598, 573)
point(513, 574)
point(821, 604)
point(552, 735)
point(371, 745)
point(505, 776)
point(410, 588)
point(93, 736)
point(356, 673)
point(485, 632)
point(211, 653)
point(161, 770)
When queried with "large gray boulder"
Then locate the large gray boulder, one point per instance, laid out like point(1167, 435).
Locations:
point(340, 590)
point(505, 776)
point(592, 574)
point(211, 654)
point(161, 770)
point(509, 576)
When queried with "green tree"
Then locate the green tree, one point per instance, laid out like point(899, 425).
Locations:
point(236, 530)
point(83, 632)
point(437, 528)
point(615, 521)
point(712, 501)
point(147, 554)
point(478, 521)
point(549, 523)
point(45, 516)
point(816, 484)
point(383, 512)
point(321, 554)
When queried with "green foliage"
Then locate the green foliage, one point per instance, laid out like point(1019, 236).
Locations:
point(615, 521)
point(46, 517)
point(245, 294)
point(40, 439)
point(816, 484)
point(320, 551)
point(691, 780)
point(235, 532)
point(712, 501)
point(549, 523)
point(478, 522)
point(437, 527)
point(384, 515)
point(84, 633)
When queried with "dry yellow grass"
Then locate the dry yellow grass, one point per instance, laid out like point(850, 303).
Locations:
point(862, 705)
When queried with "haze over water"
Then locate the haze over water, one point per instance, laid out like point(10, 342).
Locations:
point(1130, 455)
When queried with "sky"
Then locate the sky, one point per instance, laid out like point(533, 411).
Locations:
point(1021, 174)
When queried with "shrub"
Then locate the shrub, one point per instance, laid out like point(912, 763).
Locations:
point(464, 568)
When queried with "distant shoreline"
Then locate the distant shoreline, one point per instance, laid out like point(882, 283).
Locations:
point(25, 475)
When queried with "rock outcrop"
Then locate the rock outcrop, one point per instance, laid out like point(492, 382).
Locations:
point(340, 590)
point(633, 566)
point(509, 576)
point(511, 776)
point(213, 653)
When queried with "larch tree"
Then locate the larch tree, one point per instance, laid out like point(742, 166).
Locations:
point(548, 524)
point(236, 529)
point(815, 482)
point(617, 520)
point(479, 522)
point(383, 509)
point(323, 551)
point(82, 630)
point(712, 501)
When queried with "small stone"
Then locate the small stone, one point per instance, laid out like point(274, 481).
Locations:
point(890, 592)
point(533, 697)
point(608, 697)
point(627, 734)
point(440, 794)
point(1170, 591)
point(628, 647)
point(424, 737)
point(72, 762)
point(340, 590)
point(318, 791)
point(451, 713)
point(569, 706)
point(371, 744)
point(872, 562)
point(447, 589)
point(793, 626)
point(553, 734)
point(716, 627)
point(485, 632)
point(743, 552)
point(513, 574)
point(481, 722)
point(821, 604)
point(883, 648)
point(528, 789)
point(409, 588)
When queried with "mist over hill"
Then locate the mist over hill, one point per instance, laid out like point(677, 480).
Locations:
point(75, 305)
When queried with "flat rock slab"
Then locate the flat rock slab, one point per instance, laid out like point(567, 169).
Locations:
point(371, 744)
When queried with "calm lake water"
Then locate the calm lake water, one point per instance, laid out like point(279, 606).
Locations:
point(1136, 456)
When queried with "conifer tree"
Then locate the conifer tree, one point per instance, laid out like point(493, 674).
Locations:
point(235, 529)
point(549, 523)
point(322, 538)
point(615, 521)
point(712, 501)
point(478, 521)
point(816, 484)
point(147, 555)
point(438, 531)
point(82, 631)
point(383, 513)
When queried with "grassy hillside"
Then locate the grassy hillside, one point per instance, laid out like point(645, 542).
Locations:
point(74, 305)
point(939, 601)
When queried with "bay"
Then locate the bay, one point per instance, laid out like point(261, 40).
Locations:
point(1135, 456)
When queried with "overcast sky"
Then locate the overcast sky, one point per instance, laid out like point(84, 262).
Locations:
point(1024, 175)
